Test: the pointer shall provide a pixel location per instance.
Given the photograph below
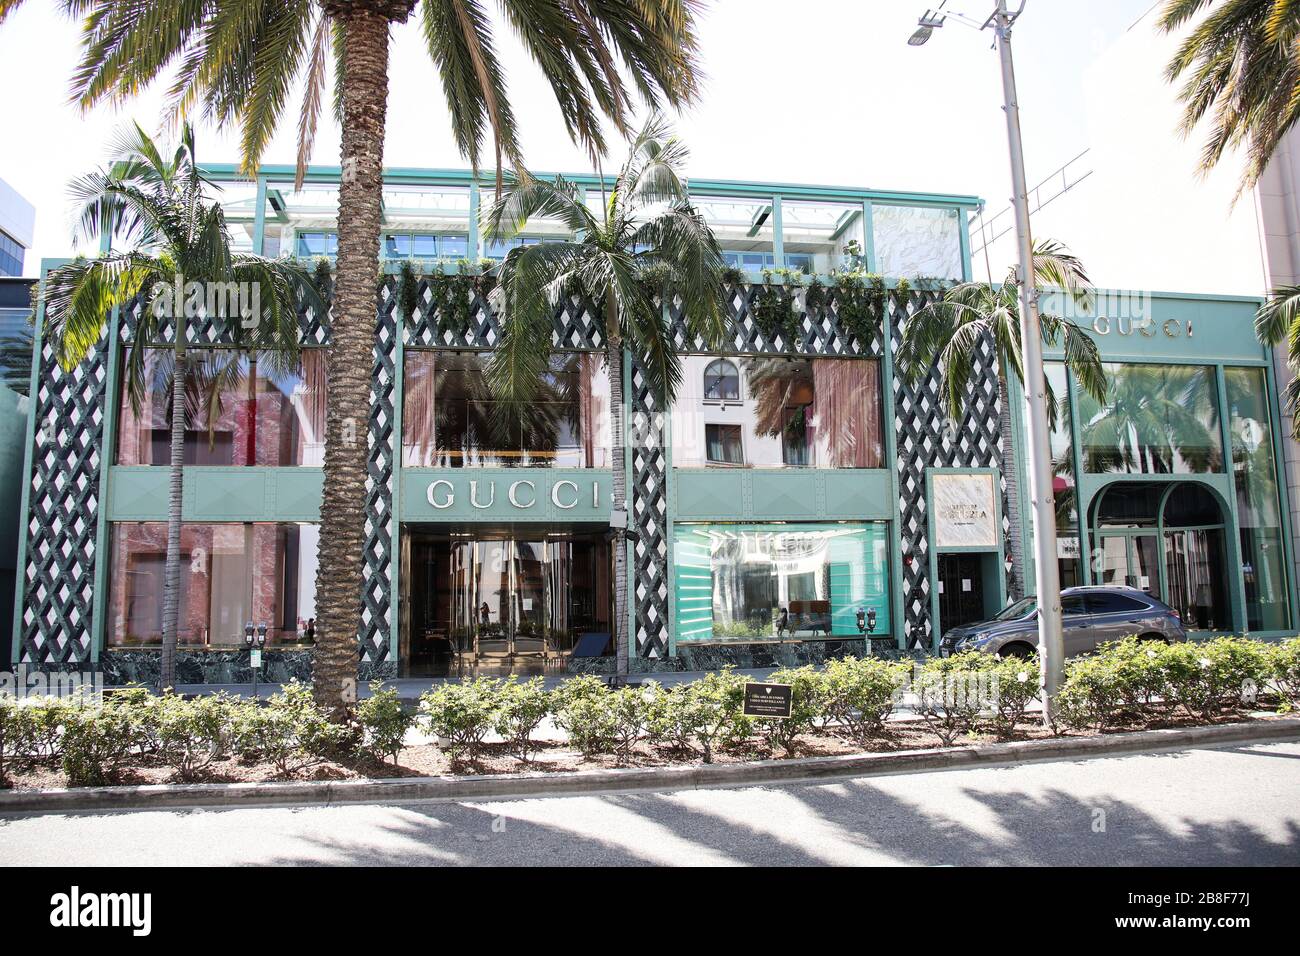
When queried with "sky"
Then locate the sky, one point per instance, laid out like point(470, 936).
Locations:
point(823, 91)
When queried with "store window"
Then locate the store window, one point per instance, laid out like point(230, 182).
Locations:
point(821, 237)
point(231, 574)
point(451, 418)
point(260, 416)
point(737, 582)
point(1156, 419)
point(312, 245)
point(744, 230)
point(1254, 470)
point(769, 412)
point(419, 245)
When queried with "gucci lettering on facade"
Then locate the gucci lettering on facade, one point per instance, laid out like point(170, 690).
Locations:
point(522, 494)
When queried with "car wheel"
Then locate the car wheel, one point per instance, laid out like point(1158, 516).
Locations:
point(1152, 638)
point(1016, 650)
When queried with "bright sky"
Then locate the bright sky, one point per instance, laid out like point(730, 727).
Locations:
point(816, 92)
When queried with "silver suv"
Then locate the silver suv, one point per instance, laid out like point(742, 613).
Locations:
point(1090, 616)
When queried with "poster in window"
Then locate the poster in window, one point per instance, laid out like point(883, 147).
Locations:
point(965, 515)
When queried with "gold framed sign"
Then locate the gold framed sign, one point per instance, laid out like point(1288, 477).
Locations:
point(965, 511)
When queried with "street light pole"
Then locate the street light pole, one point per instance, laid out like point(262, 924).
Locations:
point(1051, 647)
point(1047, 579)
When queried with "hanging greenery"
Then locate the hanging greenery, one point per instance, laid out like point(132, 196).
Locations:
point(408, 292)
point(323, 278)
point(731, 276)
point(856, 306)
point(775, 307)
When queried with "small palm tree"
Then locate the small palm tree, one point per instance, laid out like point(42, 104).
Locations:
point(948, 333)
point(1239, 68)
point(237, 61)
point(155, 205)
point(1278, 321)
point(648, 241)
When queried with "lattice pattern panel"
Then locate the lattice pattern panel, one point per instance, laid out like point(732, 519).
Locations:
point(577, 324)
point(58, 578)
point(376, 590)
point(928, 439)
point(648, 507)
point(206, 330)
point(820, 330)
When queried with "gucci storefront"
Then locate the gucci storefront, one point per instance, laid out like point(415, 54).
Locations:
point(799, 501)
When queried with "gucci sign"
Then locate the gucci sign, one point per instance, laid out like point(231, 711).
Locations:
point(1146, 327)
point(566, 494)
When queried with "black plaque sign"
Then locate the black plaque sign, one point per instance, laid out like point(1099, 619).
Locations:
point(768, 700)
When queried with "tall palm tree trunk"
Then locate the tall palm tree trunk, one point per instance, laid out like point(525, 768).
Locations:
point(614, 359)
point(342, 530)
point(172, 571)
point(1011, 473)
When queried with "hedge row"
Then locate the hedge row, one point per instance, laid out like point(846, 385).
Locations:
point(1127, 683)
point(93, 741)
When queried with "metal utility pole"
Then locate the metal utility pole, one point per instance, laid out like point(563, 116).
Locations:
point(1051, 647)
point(1047, 578)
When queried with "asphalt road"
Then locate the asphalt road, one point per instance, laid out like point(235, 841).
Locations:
point(1235, 805)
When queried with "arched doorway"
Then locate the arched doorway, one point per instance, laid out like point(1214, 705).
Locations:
point(1165, 538)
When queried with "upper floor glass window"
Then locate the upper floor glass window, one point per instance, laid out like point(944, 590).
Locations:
point(418, 245)
point(451, 418)
point(722, 381)
point(782, 412)
point(500, 248)
point(912, 241)
point(819, 237)
point(11, 256)
point(314, 244)
point(259, 417)
point(744, 228)
point(1157, 419)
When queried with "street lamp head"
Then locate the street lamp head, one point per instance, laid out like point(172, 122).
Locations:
point(926, 26)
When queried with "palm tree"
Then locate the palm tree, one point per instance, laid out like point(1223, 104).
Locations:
point(155, 205)
point(948, 333)
point(649, 243)
point(1277, 321)
point(1239, 67)
point(237, 60)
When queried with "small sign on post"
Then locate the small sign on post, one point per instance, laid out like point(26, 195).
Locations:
point(768, 700)
point(255, 658)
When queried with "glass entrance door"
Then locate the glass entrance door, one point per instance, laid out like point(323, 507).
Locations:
point(491, 586)
point(1132, 560)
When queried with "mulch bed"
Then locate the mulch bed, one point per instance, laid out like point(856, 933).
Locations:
point(428, 760)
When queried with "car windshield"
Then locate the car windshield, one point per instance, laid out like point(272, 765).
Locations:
point(1017, 610)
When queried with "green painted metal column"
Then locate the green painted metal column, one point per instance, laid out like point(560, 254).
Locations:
point(778, 241)
point(897, 605)
point(475, 249)
point(259, 218)
point(395, 558)
point(869, 236)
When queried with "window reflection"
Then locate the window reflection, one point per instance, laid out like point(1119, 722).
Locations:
point(1254, 468)
point(261, 418)
point(230, 574)
point(1157, 419)
point(779, 581)
point(769, 412)
point(452, 420)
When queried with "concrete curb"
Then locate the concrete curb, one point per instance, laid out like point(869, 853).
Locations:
point(685, 777)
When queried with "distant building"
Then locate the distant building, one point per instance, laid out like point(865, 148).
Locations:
point(17, 223)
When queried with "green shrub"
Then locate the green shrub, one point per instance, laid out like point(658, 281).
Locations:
point(1205, 678)
point(1284, 671)
point(290, 731)
point(382, 723)
point(710, 711)
point(523, 707)
point(1140, 672)
point(44, 718)
point(951, 692)
point(15, 736)
point(806, 697)
point(631, 709)
point(461, 714)
point(1015, 687)
point(189, 734)
point(1092, 695)
point(859, 694)
point(590, 724)
point(97, 740)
